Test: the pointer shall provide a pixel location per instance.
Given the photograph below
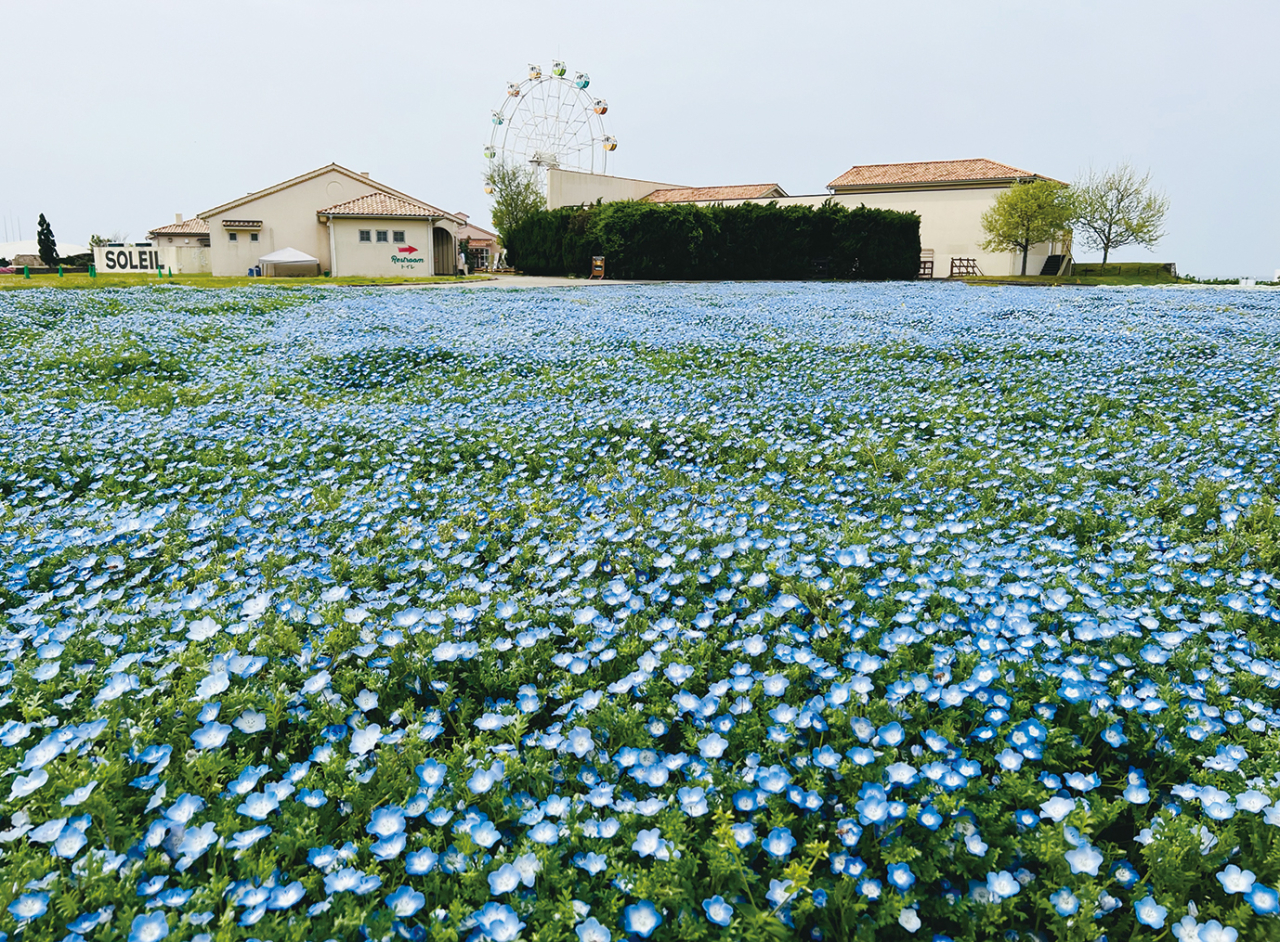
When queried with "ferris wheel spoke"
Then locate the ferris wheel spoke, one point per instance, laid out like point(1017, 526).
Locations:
point(551, 122)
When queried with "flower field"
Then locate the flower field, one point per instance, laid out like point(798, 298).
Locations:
point(654, 612)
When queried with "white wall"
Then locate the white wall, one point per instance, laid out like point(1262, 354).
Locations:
point(288, 221)
point(383, 259)
point(573, 188)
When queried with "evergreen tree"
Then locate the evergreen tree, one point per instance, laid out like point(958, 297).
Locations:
point(48, 245)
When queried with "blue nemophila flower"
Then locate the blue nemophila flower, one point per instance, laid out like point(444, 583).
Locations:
point(243, 840)
point(718, 911)
point(591, 862)
point(642, 918)
point(779, 892)
point(1057, 808)
point(1002, 885)
point(592, 930)
point(1265, 900)
point(405, 901)
point(149, 928)
point(1235, 880)
point(498, 922)
point(1084, 859)
point(351, 880)
point(871, 889)
point(647, 842)
point(503, 880)
point(779, 843)
point(1211, 931)
point(1124, 873)
point(211, 736)
point(901, 877)
point(1065, 902)
point(386, 821)
point(1150, 913)
point(258, 806)
point(29, 906)
point(389, 848)
point(286, 897)
point(420, 862)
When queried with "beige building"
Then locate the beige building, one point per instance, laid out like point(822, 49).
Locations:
point(183, 246)
point(950, 197)
point(348, 223)
point(481, 244)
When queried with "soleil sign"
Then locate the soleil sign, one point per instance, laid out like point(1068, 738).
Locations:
point(126, 259)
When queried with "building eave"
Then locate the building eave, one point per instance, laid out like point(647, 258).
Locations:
point(303, 178)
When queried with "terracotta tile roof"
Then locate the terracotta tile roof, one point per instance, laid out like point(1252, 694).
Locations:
point(186, 227)
point(690, 194)
point(383, 204)
point(929, 171)
point(477, 235)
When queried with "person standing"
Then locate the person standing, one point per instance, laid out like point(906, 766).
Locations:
point(462, 264)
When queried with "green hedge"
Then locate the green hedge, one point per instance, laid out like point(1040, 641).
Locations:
point(747, 241)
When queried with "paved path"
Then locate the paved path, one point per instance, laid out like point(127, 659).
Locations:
point(509, 282)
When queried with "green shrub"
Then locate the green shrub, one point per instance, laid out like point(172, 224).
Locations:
point(749, 241)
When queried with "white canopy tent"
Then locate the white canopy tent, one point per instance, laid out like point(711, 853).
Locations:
point(289, 261)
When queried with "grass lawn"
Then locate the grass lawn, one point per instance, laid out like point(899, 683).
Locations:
point(1121, 273)
point(10, 282)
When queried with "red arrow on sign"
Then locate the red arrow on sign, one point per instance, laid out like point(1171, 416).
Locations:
point(407, 248)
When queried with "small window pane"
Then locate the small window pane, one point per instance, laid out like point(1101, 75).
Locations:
point(382, 235)
point(253, 237)
point(231, 236)
point(364, 235)
point(397, 235)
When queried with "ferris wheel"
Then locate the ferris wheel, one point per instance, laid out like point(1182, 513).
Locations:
point(550, 121)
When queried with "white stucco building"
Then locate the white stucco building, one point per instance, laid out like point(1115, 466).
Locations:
point(182, 246)
point(347, 222)
point(950, 197)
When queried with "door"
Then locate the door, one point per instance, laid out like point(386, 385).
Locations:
point(446, 259)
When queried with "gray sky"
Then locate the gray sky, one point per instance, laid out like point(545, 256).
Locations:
point(118, 115)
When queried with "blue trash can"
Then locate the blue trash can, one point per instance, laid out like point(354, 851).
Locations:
point(250, 272)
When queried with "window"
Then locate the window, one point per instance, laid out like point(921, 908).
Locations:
point(397, 236)
point(382, 235)
point(364, 235)
point(231, 236)
point(253, 237)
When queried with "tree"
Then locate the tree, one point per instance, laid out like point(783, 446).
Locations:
point(96, 240)
point(46, 243)
point(516, 195)
point(1118, 207)
point(1024, 215)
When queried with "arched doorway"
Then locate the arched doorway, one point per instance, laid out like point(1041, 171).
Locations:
point(445, 256)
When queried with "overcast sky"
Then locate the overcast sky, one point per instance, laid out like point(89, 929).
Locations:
point(118, 115)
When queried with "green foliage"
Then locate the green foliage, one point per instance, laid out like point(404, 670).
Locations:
point(47, 244)
point(516, 196)
point(743, 242)
point(1025, 215)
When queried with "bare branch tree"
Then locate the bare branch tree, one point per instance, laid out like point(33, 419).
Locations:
point(1114, 208)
